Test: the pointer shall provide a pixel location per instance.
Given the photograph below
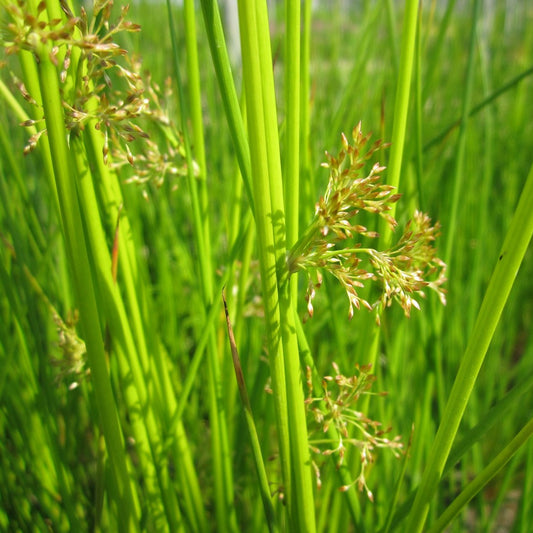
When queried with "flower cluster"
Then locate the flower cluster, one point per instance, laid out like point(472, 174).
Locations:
point(26, 30)
point(411, 265)
point(330, 244)
point(336, 407)
point(72, 362)
point(348, 193)
point(102, 86)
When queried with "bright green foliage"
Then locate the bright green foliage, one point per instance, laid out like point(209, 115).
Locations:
point(143, 172)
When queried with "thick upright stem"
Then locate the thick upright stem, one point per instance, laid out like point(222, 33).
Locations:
point(270, 220)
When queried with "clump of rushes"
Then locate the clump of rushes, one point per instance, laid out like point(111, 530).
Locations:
point(403, 271)
point(336, 407)
point(92, 63)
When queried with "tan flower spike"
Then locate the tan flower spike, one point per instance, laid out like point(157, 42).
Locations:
point(334, 240)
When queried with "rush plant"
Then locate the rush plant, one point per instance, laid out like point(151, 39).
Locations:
point(143, 178)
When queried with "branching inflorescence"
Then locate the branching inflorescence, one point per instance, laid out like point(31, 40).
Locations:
point(403, 271)
point(336, 407)
point(335, 241)
point(92, 67)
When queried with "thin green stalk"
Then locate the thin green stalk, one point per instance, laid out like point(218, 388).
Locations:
point(440, 45)
point(306, 179)
point(252, 431)
point(238, 277)
point(512, 253)
point(303, 497)
point(393, 35)
point(223, 478)
point(401, 107)
point(198, 356)
point(291, 174)
point(480, 106)
point(230, 100)
point(343, 471)
point(481, 480)
point(84, 286)
point(133, 378)
point(195, 109)
point(525, 507)
point(292, 121)
point(418, 107)
point(401, 104)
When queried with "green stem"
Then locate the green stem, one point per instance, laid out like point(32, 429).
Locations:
point(265, 233)
point(133, 378)
point(224, 494)
point(511, 255)
point(401, 104)
point(302, 497)
point(219, 54)
point(292, 105)
point(195, 106)
point(344, 473)
point(370, 344)
point(270, 220)
point(481, 480)
point(306, 174)
point(252, 431)
point(84, 286)
point(418, 118)
point(479, 107)
point(155, 367)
